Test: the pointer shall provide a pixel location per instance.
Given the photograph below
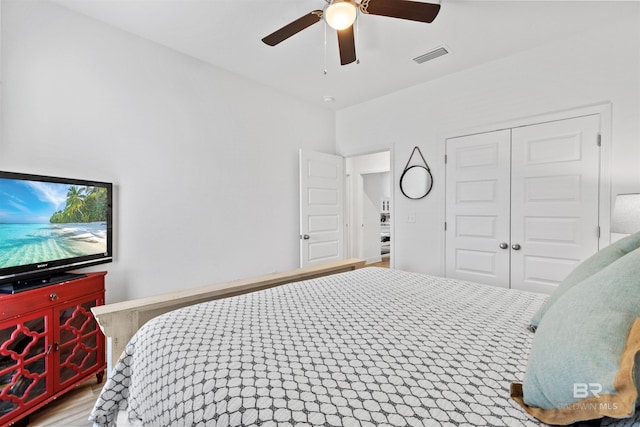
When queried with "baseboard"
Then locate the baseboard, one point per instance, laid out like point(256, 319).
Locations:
point(373, 260)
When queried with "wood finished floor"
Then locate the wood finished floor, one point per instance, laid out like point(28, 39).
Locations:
point(69, 410)
point(384, 263)
point(72, 409)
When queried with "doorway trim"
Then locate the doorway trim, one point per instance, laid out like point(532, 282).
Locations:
point(352, 238)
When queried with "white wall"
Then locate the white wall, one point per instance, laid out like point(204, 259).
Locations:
point(204, 162)
point(600, 66)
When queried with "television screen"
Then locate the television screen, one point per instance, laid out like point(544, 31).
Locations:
point(49, 223)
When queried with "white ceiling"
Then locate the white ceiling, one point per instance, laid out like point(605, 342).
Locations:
point(228, 33)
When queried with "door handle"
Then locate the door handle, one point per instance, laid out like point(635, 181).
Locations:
point(515, 247)
point(306, 237)
point(504, 245)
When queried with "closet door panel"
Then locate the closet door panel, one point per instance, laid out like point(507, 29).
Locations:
point(477, 206)
point(554, 200)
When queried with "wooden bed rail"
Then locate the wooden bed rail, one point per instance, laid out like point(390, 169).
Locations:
point(119, 321)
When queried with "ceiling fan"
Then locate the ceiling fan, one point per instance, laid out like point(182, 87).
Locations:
point(341, 14)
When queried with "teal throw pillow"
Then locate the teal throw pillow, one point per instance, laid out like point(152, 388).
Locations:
point(584, 358)
point(587, 268)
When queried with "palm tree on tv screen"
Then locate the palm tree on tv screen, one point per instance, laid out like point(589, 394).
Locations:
point(84, 204)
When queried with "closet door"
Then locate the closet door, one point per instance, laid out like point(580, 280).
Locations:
point(554, 200)
point(477, 208)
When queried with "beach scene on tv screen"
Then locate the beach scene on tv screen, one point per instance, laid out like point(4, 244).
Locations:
point(43, 221)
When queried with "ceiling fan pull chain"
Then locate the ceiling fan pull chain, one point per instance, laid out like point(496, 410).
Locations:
point(324, 60)
point(357, 39)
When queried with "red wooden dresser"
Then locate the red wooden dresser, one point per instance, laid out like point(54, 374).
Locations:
point(49, 343)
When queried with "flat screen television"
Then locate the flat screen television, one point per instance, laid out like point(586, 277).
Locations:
point(49, 226)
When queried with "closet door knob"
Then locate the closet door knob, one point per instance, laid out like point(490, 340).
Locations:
point(515, 247)
point(504, 245)
point(306, 237)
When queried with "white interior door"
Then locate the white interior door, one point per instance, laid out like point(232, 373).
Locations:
point(477, 206)
point(522, 204)
point(554, 202)
point(321, 208)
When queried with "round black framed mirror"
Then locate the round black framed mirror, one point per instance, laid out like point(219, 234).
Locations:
point(416, 182)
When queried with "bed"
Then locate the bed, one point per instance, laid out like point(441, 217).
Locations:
point(368, 347)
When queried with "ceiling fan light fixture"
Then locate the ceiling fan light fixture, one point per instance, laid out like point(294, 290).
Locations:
point(341, 14)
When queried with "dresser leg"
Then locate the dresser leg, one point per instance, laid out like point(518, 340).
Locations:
point(100, 376)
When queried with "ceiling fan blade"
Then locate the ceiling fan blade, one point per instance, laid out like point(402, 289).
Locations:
point(347, 45)
point(293, 28)
point(403, 9)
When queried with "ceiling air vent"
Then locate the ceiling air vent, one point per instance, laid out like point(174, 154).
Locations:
point(435, 53)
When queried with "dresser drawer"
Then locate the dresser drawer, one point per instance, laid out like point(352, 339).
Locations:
point(12, 305)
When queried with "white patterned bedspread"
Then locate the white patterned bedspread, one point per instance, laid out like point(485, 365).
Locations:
point(369, 347)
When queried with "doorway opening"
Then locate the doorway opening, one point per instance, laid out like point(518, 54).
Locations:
point(369, 208)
